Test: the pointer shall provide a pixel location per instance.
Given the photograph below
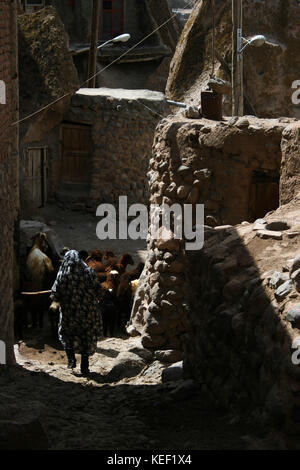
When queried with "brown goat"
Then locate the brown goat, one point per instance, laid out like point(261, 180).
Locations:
point(40, 276)
point(125, 292)
point(123, 263)
point(94, 261)
point(109, 304)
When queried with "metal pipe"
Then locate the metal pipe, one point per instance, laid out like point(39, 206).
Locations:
point(176, 103)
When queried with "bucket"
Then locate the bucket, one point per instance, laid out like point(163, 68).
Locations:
point(211, 104)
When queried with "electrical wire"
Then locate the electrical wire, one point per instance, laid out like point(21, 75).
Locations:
point(189, 3)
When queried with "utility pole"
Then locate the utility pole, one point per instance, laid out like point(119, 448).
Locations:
point(92, 66)
point(237, 59)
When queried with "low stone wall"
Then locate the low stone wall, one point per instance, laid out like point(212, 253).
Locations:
point(197, 162)
point(231, 308)
point(122, 125)
point(242, 325)
point(290, 164)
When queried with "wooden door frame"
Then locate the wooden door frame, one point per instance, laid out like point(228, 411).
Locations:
point(61, 144)
point(44, 167)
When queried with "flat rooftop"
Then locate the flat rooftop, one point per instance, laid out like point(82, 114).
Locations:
point(121, 93)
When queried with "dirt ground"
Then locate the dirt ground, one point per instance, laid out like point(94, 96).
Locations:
point(137, 412)
point(134, 411)
point(77, 230)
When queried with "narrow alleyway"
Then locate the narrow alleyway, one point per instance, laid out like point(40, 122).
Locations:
point(117, 407)
point(123, 404)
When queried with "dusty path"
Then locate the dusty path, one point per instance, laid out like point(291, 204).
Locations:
point(133, 412)
point(123, 404)
point(77, 230)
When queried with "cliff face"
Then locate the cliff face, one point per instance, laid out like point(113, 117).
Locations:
point(46, 71)
point(269, 72)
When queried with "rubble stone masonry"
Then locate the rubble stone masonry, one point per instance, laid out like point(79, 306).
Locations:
point(9, 198)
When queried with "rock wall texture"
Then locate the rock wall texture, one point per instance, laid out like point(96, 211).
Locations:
point(47, 73)
point(200, 162)
point(9, 196)
point(267, 83)
point(290, 148)
point(243, 333)
point(231, 307)
point(122, 125)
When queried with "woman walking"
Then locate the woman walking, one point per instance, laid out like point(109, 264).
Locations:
point(77, 290)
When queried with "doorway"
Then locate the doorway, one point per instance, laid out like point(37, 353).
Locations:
point(37, 175)
point(264, 193)
point(76, 146)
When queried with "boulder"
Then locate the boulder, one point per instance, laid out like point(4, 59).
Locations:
point(283, 290)
point(127, 364)
point(293, 316)
point(169, 355)
point(173, 373)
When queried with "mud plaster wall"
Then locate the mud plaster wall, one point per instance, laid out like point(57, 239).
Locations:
point(290, 165)
point(9, 197)
point(196, 162)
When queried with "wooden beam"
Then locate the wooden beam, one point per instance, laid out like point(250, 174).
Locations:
point(92, 66)
point(237, 59)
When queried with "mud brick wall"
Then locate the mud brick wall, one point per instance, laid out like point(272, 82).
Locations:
point(9, 198)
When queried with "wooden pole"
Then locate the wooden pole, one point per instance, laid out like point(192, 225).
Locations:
point(92, 66)
point(237, 59)
point(37, 293)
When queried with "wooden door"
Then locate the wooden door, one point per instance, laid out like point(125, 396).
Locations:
point(36, 175)
point(75, 153)
point(264, 194)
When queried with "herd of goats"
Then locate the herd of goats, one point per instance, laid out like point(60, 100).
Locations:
point(118, 287)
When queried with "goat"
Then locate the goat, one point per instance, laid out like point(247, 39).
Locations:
point(94, 261)
point(123, 263)
point(125, 293)
point(40, 276)
point(108, 305)
point(110, 260)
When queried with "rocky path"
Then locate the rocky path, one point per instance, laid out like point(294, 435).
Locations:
point(122, 405)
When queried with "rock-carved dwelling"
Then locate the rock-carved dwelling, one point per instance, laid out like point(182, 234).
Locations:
point(139, 18)
point(99, 148)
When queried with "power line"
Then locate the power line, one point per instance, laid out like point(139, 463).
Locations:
point(189, 3)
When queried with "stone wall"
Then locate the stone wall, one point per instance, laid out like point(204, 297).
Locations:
point(122, 125)
point(290, 165)
point(9, 196)
point(47, 73)
point(231, 308)
point(203, 161)
point(243, 301)
point(198, 162)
